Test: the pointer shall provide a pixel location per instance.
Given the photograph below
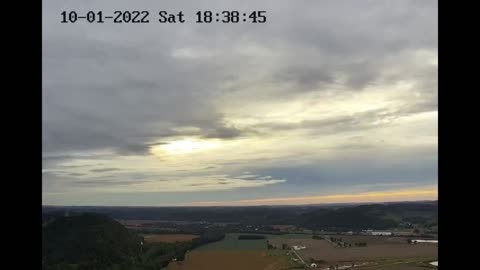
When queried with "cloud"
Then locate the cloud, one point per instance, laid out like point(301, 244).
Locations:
point(77, 174)
point(224, 133)
point(290, 93)
point(105, 170)
point(144, 182)
point(207, 183)
point(149, 101)
point(424, 193)
point(305, 78)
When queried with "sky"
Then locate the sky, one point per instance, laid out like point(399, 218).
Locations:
point(328, 101)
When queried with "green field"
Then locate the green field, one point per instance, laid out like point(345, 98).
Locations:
point(288, 236)
point(230, 242)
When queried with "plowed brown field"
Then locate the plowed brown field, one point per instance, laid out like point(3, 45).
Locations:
point(168, 238)
point(378, 248)
point(230, 260)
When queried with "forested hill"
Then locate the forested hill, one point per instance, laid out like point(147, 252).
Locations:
point(375, 216)
point(350, 217)
point(87, 240)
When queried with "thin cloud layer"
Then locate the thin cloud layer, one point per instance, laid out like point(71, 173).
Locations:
point(426, 193)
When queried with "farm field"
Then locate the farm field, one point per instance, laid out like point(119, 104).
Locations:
point(168, 238)
point(234, 254)
point(378, 249)
point(231, 260)
point(401, 264)
point(284, 227)
point(230, 242)
point(288, 236)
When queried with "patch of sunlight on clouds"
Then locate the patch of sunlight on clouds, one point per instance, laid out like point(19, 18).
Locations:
point(185, 146)
point(427, 56)
point(421, 193)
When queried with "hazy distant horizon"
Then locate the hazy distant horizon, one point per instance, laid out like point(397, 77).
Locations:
point(252, 205)
point(259, 205)
point(328, 101)
point(222, 206)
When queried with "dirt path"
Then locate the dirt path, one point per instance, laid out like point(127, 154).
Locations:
point(299, 256)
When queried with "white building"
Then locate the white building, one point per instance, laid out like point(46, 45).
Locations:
point(313, 265)
point(425, 241)
point(381, 233)
point(299, 247)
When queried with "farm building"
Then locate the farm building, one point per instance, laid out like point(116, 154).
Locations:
point(425, 241)
point(381, 233)
point(299, 247)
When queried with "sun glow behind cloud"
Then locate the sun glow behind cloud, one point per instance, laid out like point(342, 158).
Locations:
point(185, 146)
point(305, 108)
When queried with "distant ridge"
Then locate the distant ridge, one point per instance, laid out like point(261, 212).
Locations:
point(52, 207)
point(339, 216)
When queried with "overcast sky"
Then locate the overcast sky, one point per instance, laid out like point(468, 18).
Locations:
point(328, 101)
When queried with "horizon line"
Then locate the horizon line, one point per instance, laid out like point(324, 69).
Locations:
point(259, 205)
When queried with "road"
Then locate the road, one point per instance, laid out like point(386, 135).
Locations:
point(298, 256)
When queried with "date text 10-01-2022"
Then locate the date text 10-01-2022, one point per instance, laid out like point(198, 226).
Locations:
point(144, 16)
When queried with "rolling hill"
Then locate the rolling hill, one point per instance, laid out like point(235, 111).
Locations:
point(87, 241)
